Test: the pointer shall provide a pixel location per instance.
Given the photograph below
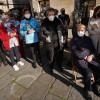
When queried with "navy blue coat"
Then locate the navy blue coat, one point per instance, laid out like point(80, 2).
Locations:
point(80, 48)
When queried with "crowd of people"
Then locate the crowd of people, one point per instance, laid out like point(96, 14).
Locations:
point(53, 32)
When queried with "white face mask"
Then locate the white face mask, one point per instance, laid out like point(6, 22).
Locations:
point(51, 18)
point(27, 16)
point(80, 33)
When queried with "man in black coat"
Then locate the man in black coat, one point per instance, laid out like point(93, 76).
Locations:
point(83, 53)
point(65, 20)
point(53, 38)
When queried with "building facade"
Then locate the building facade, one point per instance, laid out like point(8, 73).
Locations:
point(37, 5)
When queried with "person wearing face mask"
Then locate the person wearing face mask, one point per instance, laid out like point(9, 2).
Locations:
point(9, 36)
point(29, 28)
point(51, 34)
point(65, 20)
point(94, 29)
point(16, 23)
point(16, 14)
point(83, 53)
point(63, 30)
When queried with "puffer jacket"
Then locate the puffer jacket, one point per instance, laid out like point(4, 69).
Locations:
point(33, 25)
point(53, 29)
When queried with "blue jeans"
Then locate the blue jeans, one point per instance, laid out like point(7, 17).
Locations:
point(12, 51)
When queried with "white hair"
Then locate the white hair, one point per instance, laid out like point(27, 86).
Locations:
point(4, 18)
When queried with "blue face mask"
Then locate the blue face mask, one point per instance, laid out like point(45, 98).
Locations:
point(12, 21)
point(15, 14)
point(44, 8)
point(7, 24)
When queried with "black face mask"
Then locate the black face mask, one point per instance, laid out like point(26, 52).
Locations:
point(63, 12)
point(98, 15)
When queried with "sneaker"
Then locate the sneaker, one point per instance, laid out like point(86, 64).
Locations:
point(20, 63)
point(16, 68)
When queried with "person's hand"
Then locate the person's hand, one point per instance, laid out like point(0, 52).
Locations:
point(14, 33)
point(64, 41)
point(89, 58)
point(31, 31)
point(48, 41)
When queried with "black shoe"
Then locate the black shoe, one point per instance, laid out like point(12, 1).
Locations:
point(96, 89)
point(40, 63)
point(34, 65)
point(88, 94)
point(50, 71)
point(60, 69)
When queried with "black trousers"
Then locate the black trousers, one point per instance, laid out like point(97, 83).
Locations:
point(86, 73)
point(35, 49)
point(12, 51)
point(54, 55)
point(2, 56)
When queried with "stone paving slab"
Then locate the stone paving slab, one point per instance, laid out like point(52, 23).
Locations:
point(76, 94)
point(60, 89)
point(46, 79)
point(4, 81)
point(96, 98)
point(11, 92)
point(21, 69)
point(4, 70)
point(28, 77)
point(52, 97)
point(36, 91)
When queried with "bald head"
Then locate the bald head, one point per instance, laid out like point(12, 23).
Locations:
point(81, 30)
point(81, 27)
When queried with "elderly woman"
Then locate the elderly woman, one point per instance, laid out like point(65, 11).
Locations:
point(16, 23)
point(9, 36)
point(29, 28)
point(94, 28)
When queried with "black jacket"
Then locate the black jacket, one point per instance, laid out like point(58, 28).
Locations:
point(65, 19)
point(80, 48)
point(53, 28)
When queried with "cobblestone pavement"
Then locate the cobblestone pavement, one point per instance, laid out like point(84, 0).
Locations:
point(35, 84)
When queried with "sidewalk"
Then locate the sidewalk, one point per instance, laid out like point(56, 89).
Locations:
point(35, 84)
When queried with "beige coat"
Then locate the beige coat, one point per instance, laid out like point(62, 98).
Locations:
point(94, 32)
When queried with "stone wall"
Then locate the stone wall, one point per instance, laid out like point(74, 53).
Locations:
point(67, 4)
point(97, 2)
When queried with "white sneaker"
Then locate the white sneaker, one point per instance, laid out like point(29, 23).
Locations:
point(20, 63)
point(16, 68)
